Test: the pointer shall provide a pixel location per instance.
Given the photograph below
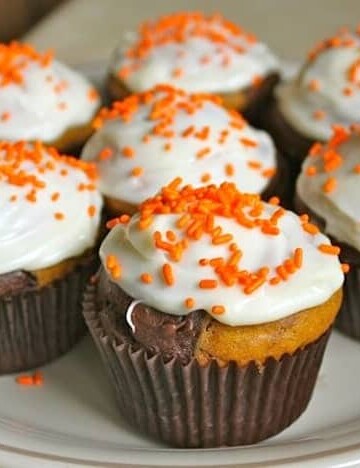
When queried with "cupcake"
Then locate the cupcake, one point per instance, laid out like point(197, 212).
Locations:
point(198, 53)
point(49, 223)
point(147, 140)
point(211, 312)
point(326, 92)
point(43, 99)
point(328, 189)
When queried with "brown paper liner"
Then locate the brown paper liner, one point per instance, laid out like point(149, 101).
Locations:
point(348, 319)
point(40, 324)
point(210, 406)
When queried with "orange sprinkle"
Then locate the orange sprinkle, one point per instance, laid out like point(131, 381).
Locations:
point(145, 222)
point(310, 228)
point(274, 201)
point(218, 309)
point(91, 210)
point(13, 198)
point(304, 218)
point(168, 274)
point(319, 115)
point(177, 72)
point(167, 146)
point(345, 267)
point(105, 153)
point(229, 170)
point(254, 164)
point(248, 142)
point(59, 216)
point(311, 171)
point(208, 284)
point(315, 149)
point(38, 378)
point(55, 196)
point(128, 152)
point(270, 230)
point(137, 171)
point(203, 262)
point(5, 116)
point(254, 285)
point(203, 152)
point(111, 261)
point(222, 239)
point(329, 249)
point(62, 105)
point(275, 280)
point(298, 257)
point(189, 303)
point(188, 131)
point(206, 177)
point(257, 81)
point(314, 85)
point(24, 380)
point(123, 219)
point(268, 173)
point(92, 94)
point(330, 185)
point(347, 91)
point(171, 236)
point(281, 271)
point(146, 278)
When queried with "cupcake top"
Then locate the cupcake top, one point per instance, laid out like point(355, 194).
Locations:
point(329, 184)
point(145, 141)
point(49, 207)
point(40, 98)
point(217, 249)
point(327, 89)
point(192, 51)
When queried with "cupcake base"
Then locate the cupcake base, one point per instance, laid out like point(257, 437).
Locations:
point(189, 405)
point(250, 101)
point(41, 323)
point(348, 319)
point(289, 141)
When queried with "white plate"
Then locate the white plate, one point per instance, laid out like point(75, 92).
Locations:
point(73, 419)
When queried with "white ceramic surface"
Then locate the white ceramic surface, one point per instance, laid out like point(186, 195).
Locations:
point(73, 421)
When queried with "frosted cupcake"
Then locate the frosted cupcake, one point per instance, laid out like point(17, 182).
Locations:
point(43, 99)
point(49, 224)
point(324, 93)
point(147, 140)
point(198, 53)
point(328, 187)
point(212, 310)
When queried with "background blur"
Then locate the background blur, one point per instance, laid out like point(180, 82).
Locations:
point(17, 16)
point(85, 31)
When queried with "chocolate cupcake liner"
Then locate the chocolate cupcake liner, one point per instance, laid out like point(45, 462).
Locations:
point(40, 324)
point(348, 320)
point(206, 406)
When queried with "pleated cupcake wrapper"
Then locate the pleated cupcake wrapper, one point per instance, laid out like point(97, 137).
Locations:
point(206, 406)
point(41, 324)
point(348, 319)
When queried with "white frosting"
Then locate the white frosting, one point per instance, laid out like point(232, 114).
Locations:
point(337, 97)
point(339, 208)
point(160, 166)
point(314, 283)
point(36, 111)
point(200, 59)
point(31, 237)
